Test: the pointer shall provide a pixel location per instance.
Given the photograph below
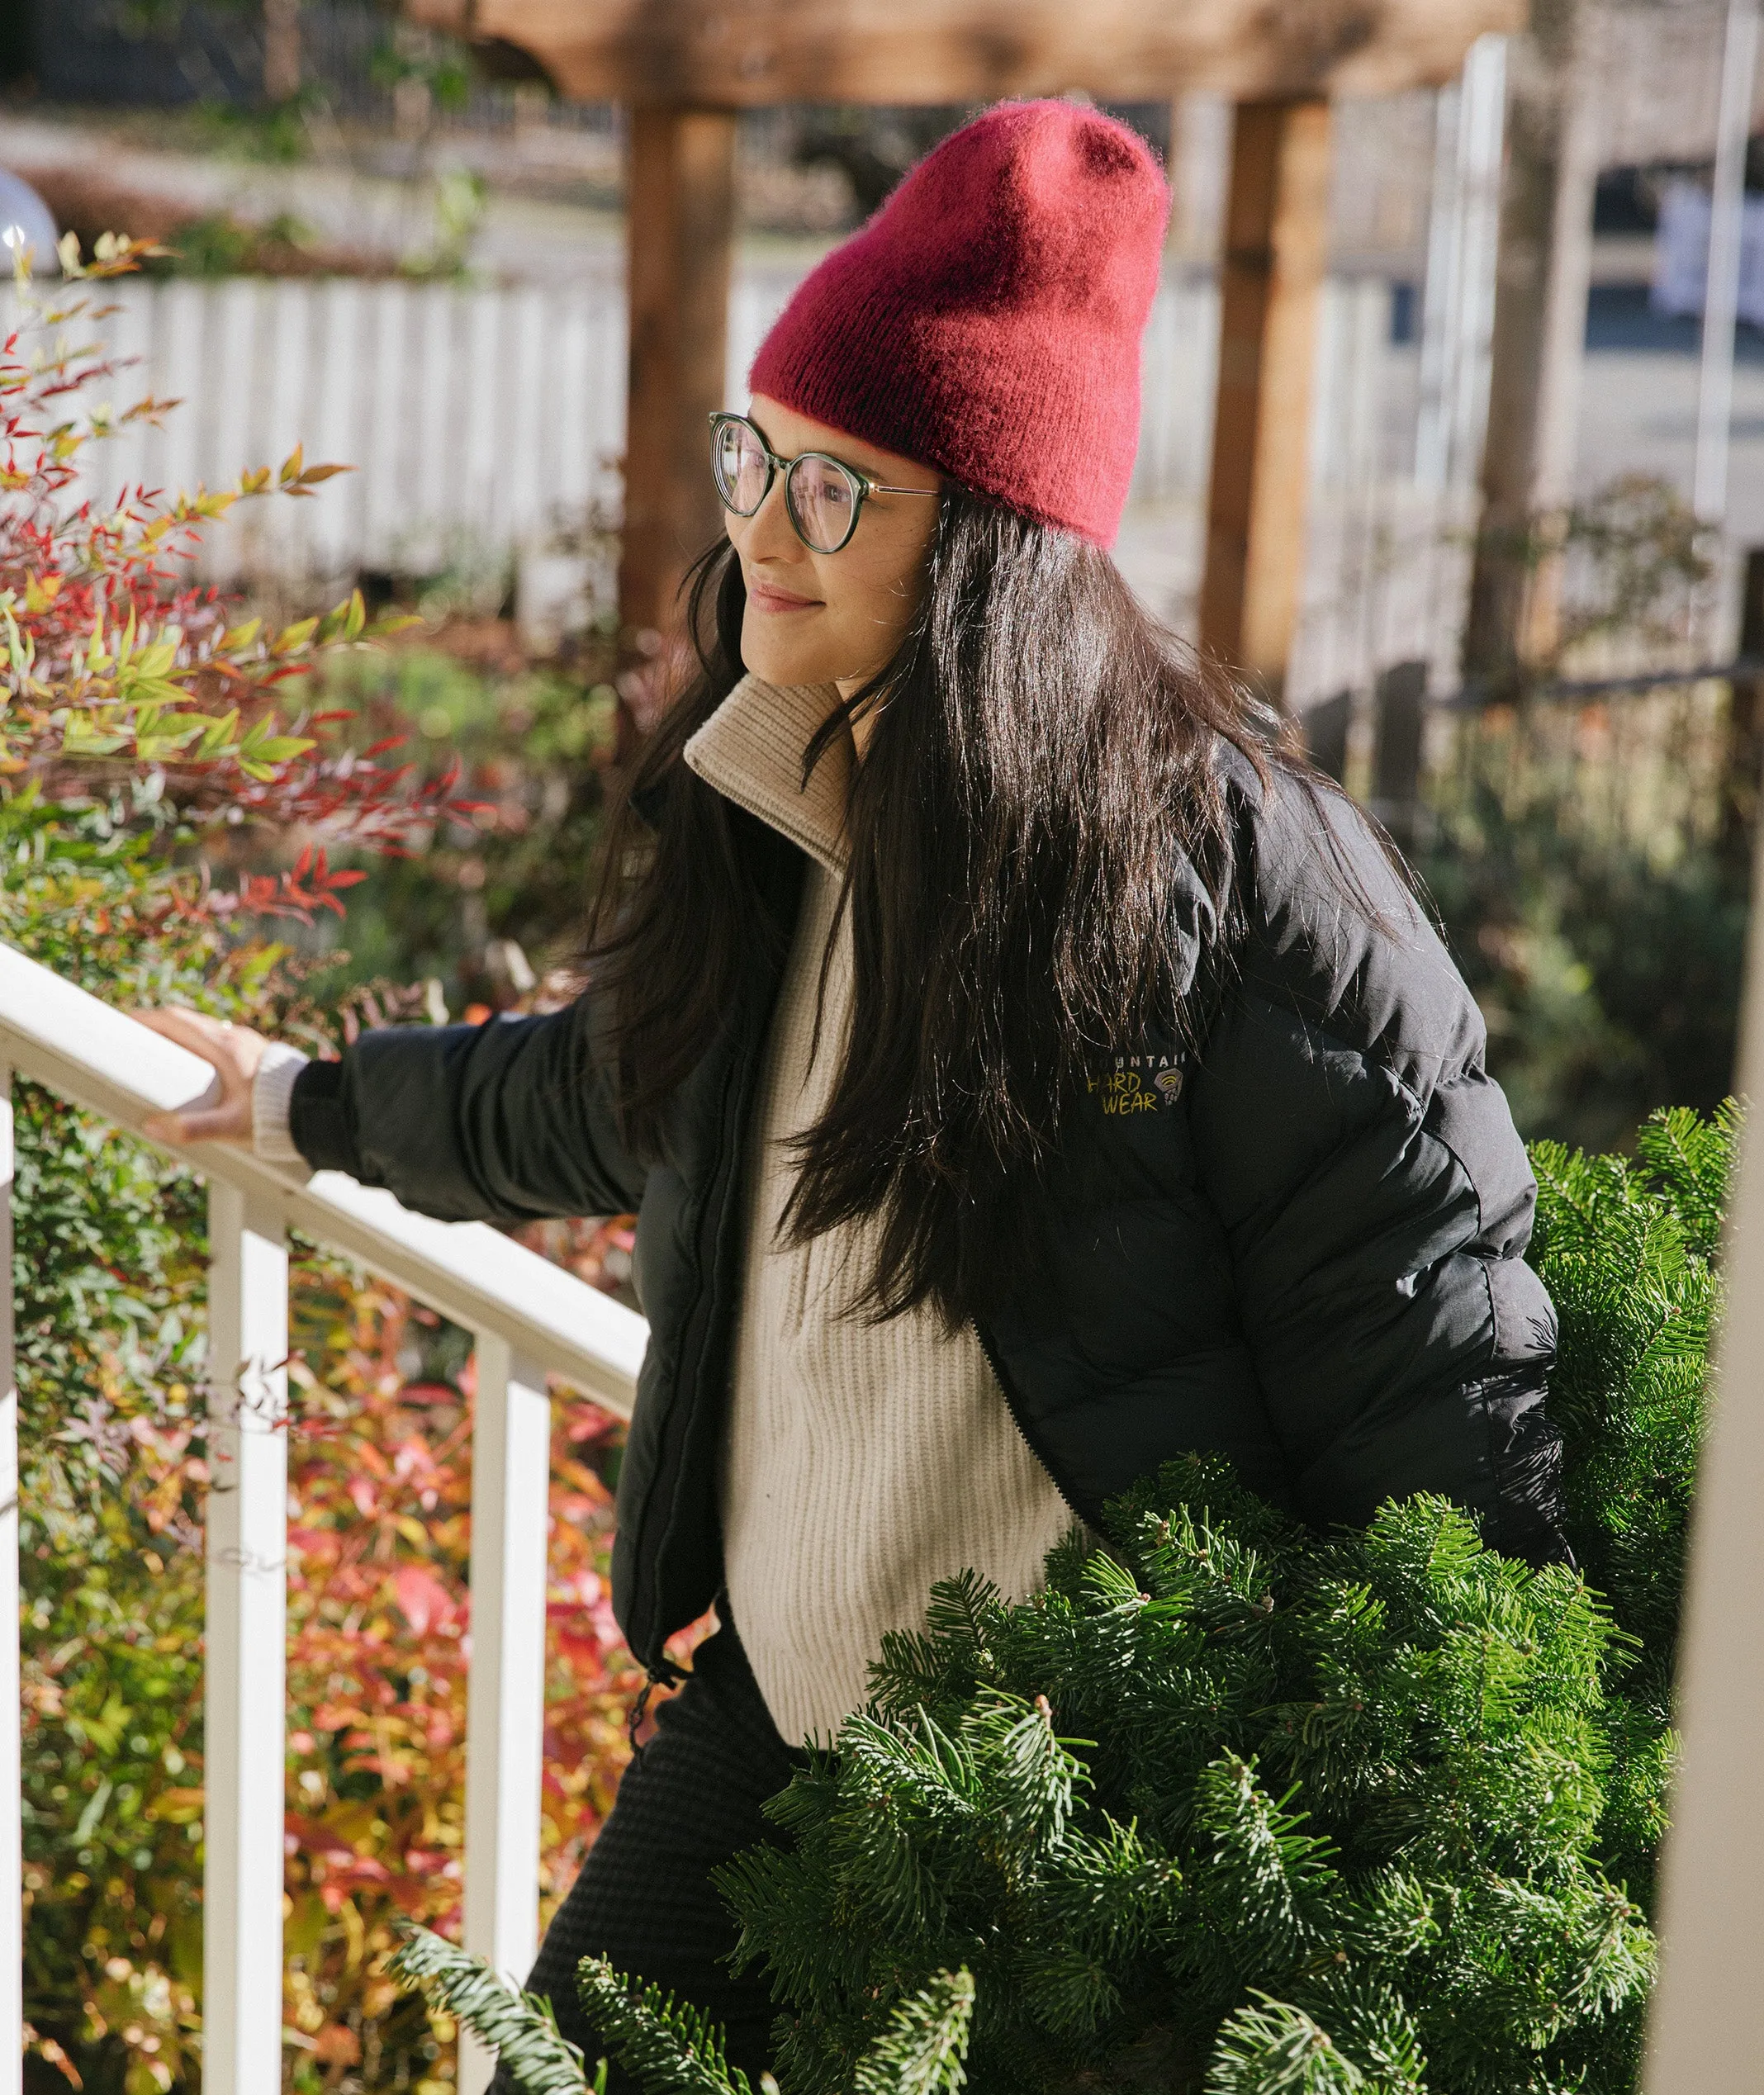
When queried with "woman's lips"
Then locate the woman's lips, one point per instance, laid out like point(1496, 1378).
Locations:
point(769, 599)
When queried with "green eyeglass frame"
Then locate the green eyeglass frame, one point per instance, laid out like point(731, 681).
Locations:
point(858, 485)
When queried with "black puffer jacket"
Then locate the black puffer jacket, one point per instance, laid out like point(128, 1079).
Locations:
point(1304, 1249)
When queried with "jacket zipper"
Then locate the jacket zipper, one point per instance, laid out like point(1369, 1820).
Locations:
point(1013, 1404)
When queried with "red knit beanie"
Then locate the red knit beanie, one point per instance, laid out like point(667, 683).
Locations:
point(987, 320)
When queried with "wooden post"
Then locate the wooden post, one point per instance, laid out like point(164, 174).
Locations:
point(1544, 268)
point(679, 219)
point(1744, 762)
point(1276, 250)
point(1702, 2027)
point(281, 50)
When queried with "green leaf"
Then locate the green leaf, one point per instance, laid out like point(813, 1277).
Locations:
point(83, 735)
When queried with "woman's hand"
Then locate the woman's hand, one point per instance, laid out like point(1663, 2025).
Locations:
point(235, 1052)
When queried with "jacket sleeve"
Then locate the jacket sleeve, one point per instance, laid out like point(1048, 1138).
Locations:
point(508, 1121)
point(1378, 1202)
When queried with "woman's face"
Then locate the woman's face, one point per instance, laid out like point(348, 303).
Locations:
point(831, 618)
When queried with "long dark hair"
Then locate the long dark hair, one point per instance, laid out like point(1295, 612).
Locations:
point(1041, 843)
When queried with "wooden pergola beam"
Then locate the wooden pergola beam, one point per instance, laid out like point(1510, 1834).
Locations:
point(751, 54)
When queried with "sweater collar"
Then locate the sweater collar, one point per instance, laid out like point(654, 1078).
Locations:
point(751, 751)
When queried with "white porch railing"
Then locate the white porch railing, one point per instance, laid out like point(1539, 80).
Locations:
point(530, 1320)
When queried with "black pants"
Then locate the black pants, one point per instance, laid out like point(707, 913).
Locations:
point(690, 1800)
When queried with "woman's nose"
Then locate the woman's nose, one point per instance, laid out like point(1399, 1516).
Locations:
point(770, 534)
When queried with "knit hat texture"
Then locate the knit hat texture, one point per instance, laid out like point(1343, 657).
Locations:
point(987, 320)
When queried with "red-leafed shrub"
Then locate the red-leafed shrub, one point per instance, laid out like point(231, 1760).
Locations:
point(122, 671)
point(379, 1631)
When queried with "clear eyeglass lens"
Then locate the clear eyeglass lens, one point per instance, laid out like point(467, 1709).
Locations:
point(740, 463)
point(823, 497)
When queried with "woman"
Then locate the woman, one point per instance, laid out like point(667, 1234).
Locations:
point(1023, 1071)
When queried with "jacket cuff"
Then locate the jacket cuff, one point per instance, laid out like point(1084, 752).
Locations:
point(271, 1090)
point(317, 1122)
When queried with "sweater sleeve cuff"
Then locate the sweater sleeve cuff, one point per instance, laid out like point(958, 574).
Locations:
point(271, 1090)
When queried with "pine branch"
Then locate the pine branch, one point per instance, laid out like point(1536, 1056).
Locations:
point(1278, 2049)
point(922, 2051)
point(518, 2027)
point(1688, 1161)
point(1370, 2023)
point(1268, 1889)
point(666, 2044)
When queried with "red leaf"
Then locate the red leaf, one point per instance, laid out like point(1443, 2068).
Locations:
point(425, 1601)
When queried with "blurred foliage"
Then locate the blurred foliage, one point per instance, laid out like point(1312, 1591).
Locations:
point(1590, 861)
point(378, 1613)
point(276, 133)
point(532, 739)
point(1638, 560)
point(409, 51)
point(122, 674)
point(461, 197)
point(1575, 861)
point(221, 243)
point(90, 202)
point(1626, 570)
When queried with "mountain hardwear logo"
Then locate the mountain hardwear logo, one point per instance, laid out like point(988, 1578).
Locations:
point(1140, 1084)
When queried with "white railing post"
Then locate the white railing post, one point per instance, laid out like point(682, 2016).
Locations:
point(245, 1721)
point(11, 1743)
point(533, 1319)
point(505, 1686)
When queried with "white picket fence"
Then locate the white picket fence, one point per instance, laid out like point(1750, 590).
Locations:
point(469, 417)
point(476, 418)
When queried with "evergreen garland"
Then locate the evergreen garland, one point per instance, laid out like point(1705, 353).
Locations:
point(1234, 1809)
point(666, 2042)
point(1359, 1788)
point(520, 2027)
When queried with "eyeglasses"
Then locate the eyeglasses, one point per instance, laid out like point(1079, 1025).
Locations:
point(823, 495)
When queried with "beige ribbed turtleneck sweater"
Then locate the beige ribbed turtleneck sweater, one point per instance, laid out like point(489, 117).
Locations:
point(862, 1462)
